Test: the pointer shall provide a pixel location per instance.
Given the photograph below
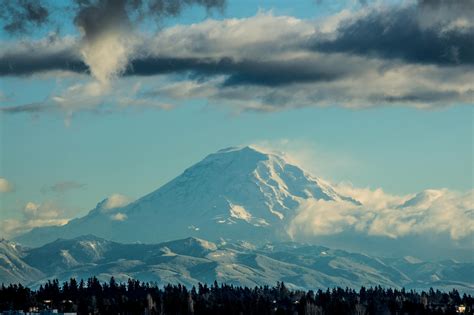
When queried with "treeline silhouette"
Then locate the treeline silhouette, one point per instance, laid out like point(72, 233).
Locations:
point(135, 297)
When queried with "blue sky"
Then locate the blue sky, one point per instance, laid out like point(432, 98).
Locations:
point(403, 149)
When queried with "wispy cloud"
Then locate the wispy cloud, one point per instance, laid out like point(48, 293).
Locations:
point(5, 185)
point(63, 187)
point(314, 159)
point(33, 215)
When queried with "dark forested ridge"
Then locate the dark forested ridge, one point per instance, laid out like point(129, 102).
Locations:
point(135, 297)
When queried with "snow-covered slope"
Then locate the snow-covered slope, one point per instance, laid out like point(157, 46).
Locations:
point(192, 260)
point(237, 193)
point(67, 254)
point(13, 269)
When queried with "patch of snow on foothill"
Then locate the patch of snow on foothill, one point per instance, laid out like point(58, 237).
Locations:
point(239, 212)
point(207, 245)
point(68, 259)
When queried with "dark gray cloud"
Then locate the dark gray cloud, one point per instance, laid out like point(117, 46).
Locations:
point(411, 55)
point(395, 33)
point(95, 19)
point(239, 72)
point(27, 108)
point(28, 62)
point(21, 16)
point(92, 16)
point(426, 33)
point(63, 187)
point(458, 6)
point(106, 26)
point(421, 96)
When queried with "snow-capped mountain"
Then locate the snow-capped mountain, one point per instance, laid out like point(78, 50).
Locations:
point(13, 269)
point(237, 193)
point(192, 260)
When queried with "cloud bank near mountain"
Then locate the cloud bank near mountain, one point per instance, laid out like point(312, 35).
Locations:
point(415, 54)
point(430, 212)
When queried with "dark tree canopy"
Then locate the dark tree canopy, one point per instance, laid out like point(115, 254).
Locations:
point(135, 297)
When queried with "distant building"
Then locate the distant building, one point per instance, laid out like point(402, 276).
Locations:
point(461, 309)
point(43, 312)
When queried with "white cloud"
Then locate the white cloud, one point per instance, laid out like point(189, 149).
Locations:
point(47, 210)
point(49, 213)
point(237, 38)
point(112, 205)
point(14, 227)
point(33, 215)
point(119, 216)
point(381, 214)
point(107, 55)
point(373, 198)
point(31, 208)
point(320, 217)
point(315, 160)
point(5, 185)
point(115, 201)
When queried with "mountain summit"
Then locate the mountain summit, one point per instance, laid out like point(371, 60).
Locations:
point(236, 193)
